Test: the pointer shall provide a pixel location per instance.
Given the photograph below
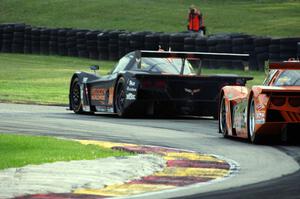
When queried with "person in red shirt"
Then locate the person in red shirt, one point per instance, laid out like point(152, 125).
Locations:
point(196, 22)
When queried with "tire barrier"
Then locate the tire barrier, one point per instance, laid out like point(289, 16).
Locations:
point(53, 42)
point(123, 44)
point(7, 38)
point(44, 41)
point(298, 49)
point(35, 40)
point(102, 41)
point(81, 46)
point(92, 44)
point(113, 44)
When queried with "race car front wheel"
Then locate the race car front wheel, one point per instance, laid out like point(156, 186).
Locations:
point(75, 97)
point(222, 118)
point(120, 97)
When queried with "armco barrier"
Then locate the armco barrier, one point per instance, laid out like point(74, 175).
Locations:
point(113, 44)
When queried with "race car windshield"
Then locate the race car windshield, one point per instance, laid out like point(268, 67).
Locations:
point(166, 65)
point(288, 78)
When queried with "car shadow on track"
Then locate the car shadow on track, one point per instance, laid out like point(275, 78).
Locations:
point(271, 141)
point(153, 117)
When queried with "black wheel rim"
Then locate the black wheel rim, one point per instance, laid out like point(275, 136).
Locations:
point(223, 117)
point(76, 100)
point(252, 120)
point(120, 98)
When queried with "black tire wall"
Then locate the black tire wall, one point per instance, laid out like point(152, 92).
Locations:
point(113, 44)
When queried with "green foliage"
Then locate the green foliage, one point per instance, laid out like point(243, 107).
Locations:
point(20, 150)
point(259, 17)
point(257, 75)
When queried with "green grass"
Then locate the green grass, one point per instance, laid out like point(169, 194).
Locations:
point(259, 17)
point(39, 79)
point(258, 75)
point(20, 150)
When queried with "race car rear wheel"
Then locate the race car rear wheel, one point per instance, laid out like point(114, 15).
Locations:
point(251, 122)
point(120, 97)
point(222, 118)
point(75, 97)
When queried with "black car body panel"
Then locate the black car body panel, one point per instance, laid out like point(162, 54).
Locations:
point(163, 83)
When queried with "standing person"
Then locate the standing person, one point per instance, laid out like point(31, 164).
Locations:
point(195, 20)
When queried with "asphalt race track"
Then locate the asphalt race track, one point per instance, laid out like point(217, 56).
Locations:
point(269, 169)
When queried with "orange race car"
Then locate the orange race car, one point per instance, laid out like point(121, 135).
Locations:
point(270, 110)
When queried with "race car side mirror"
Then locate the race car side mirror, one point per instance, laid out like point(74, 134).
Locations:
point(94, 68)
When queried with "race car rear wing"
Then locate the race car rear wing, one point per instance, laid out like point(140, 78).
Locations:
point(278, 89)
point(289, 65)
point(196, 56)
point(193, 55)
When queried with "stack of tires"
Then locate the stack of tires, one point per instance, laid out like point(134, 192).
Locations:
point(123, 44)
point(113, 45)
point(62, 42)
point(18, 38)
point(53, 42)
point(262, 51)
point(81, 43)
point(201, 46)
point(224, 45)
point(298, 50)
point(248, 48)
point(44, 41)
point(164, 41)
point(189, 44)
point(288, 48)
point(274, 49)
point(152, 41)
point(92, 44)
point(27, 40)
point(238, 48)
point(240, 45)
point(211, 46)
point(1, 37)
point(177, 41)
point(72, 43)
point(7, 38)
point(136, 40)
point(102, 43)
point(35, 40)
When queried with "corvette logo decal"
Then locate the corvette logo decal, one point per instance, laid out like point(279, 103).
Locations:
point(192, 91)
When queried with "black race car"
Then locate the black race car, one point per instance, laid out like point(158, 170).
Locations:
point(153, 82)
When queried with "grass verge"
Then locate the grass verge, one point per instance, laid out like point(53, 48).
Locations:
point(21, 150)
point(259, 76)
point(37, 79)
point(40, 79)
point(260, 17)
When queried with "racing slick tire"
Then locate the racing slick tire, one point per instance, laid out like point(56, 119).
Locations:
point(120, 98)
point(222, 118)
point(75, 97)
point(252, 136)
